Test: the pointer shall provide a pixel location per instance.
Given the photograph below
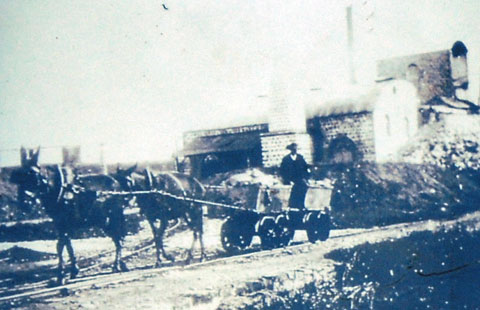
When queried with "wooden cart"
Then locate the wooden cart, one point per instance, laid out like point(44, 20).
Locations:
point(263, 211)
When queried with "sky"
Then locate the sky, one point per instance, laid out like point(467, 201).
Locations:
point(133, 76)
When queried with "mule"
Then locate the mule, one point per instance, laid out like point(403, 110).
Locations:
point(160, 209)
point(71, 206)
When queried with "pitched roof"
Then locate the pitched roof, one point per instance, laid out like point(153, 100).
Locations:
point(353, 101)
point(222, 143)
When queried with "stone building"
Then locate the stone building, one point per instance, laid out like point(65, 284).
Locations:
point(370, 125)
point(441, 79)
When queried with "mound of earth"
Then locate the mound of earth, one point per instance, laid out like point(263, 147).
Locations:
point(380, 194)
point(17, 254)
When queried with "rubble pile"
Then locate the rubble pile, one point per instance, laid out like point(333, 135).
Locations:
point(445, 147)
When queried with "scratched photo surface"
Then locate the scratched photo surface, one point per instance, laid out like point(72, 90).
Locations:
point(239, 155)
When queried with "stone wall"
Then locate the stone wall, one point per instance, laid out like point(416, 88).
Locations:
point(274, 146)
point(356, 126)
point(434, 72)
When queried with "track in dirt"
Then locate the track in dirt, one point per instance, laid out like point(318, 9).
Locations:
point(36, 277)
point(40, 291)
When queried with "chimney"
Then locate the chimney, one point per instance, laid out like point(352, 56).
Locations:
point(350, 45)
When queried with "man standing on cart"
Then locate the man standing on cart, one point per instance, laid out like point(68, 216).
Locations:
point(294, 171)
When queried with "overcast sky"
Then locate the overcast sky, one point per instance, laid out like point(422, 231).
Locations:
point(134, 75)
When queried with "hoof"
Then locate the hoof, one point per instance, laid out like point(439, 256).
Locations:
point(188, 258)
point(203, 257)
point(120, 267)
point(74, 271)
point(158, 264)
point(170, 258)
point(60, 278)
point(123, 267)
point(54, 283)
point(115, 269)
point(60, 281)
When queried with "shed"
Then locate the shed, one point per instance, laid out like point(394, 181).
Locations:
point(212, 151)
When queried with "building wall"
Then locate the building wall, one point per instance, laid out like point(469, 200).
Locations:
point(434, 72)
point(274, 147)
point(356, 126)
point(396, 118)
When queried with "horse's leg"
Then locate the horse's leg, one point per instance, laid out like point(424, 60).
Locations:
point(158, 260)
point(202, 246)
point(73, 260)
point(199, 228)
point(196, 224)
point(189, 255)
point(60, 246)
point(119, 264)
point(115, 228)
point(161, 233)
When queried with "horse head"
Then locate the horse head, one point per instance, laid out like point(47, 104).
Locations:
point(29, 157)
point(125, 177)
point(28, 182)
point(179, 183)
point(31, 184)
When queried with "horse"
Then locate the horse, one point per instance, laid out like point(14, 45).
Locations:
point(160, 209)
point(71, 206)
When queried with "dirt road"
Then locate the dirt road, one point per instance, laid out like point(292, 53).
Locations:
point(227, 283)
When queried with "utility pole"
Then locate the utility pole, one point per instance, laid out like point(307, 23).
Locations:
point(102, 158)
point(351, 66)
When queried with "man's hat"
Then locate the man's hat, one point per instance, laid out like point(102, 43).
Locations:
point(291, 146)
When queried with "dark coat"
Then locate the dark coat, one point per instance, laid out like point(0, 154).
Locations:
point(295, 171)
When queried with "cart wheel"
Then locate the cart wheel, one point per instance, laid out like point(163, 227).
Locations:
point(318, 227)
point(266, 231)
point(236, 235)
point(284, 232)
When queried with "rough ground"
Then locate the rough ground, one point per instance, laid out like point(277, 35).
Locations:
point(300, 277)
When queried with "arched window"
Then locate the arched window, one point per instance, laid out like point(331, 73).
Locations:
point(342, 150)
point(413, 74)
